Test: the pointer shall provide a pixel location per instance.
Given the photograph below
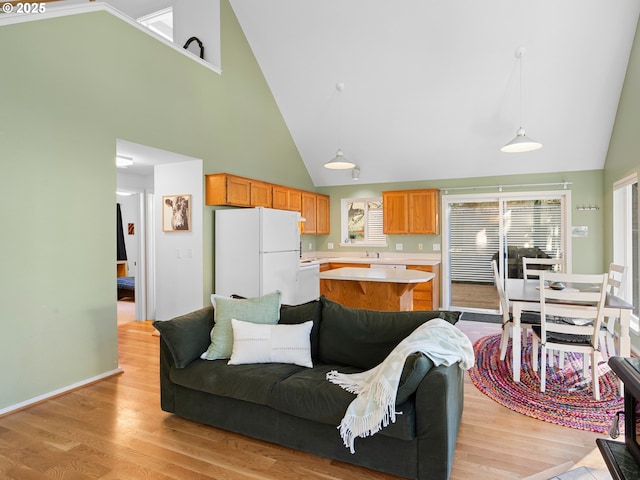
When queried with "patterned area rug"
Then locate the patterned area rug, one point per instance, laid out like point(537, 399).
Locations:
point(568, 399)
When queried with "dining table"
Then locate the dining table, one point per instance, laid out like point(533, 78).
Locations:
point(524, 295)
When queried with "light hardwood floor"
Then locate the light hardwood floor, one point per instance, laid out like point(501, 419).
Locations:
point(114, 429)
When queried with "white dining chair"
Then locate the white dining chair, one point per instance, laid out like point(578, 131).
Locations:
point(531, 267)
point(608, 332)
point(528, 318)
point(582, 306)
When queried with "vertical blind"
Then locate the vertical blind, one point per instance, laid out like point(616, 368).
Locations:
point(475, 233)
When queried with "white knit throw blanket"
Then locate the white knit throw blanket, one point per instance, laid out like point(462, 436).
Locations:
point(374, 406)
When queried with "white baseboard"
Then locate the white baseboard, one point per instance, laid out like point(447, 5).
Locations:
point(60, 391)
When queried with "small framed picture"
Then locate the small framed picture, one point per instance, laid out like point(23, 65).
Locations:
point(176, 213)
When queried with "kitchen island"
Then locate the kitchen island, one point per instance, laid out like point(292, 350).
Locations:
point(372, 288)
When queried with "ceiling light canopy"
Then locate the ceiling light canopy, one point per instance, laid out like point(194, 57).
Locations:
point(123, 162)
point(355, 173)
point(339, 162)
point(521, 143)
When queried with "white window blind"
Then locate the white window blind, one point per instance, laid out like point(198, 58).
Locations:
point(535, 223)
point(474, 238)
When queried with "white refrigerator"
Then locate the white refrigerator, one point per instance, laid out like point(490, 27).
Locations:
point(257, 251)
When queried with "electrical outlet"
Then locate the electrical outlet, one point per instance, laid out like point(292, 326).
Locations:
point(310, 245)
point(330, 245)
point(436, 247)
point(420, 247)
point(399, 247)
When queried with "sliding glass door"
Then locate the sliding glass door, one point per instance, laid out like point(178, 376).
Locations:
point(474, 238)
point(503, 227)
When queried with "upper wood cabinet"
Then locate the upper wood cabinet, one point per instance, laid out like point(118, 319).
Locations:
point(280, 197)
point(395, 209)
point(424, 211)
point(315, 210)
point(411, 212)
point(308, 211)
point(225, 189)
point(261, 194)
point(295, 200)
point(285, 198)
point(322, 214)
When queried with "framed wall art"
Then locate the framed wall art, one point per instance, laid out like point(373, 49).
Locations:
point(176, 213)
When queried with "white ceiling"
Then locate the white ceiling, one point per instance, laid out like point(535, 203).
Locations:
point(432, 87)
point(146, 158)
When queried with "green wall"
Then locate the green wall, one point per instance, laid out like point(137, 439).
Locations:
point(73, 85)
point(586, 189)
point(623, 158)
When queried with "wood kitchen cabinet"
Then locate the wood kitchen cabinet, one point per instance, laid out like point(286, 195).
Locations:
point(411, 212)
point(309, 212)
point(426, 296)
point(395, 210)
point(322, 214)
point(335, 265)
point(285, 198)
point(315, 210)
point(227, 189)
point(222, 189)
point(261, 194)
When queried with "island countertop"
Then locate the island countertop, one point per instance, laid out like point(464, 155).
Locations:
point(385, 275)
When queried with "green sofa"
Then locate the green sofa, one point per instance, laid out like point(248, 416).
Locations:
point(297, 407)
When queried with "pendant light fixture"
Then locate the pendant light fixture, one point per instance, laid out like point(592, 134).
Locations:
point(339, 162)
point(521, 143)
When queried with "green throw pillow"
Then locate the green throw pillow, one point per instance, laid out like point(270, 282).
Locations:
point(415, 368)
point(265, 309)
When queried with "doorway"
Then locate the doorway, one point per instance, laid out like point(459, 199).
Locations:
point(505, 227)
point(159, 272)
point(133, 269)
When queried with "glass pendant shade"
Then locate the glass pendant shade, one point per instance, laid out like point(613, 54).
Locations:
point(521, 143)
point(339, 162)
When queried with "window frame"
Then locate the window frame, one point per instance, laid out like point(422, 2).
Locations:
point(344, 228)
point(624, 252)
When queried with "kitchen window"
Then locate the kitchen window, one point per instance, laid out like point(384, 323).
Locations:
point(361, 222)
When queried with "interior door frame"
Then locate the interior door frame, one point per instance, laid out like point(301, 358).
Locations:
point(501, 198)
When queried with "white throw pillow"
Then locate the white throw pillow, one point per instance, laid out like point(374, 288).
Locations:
point(259, 343)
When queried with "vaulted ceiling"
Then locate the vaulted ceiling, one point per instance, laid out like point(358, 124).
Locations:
point(432, 87)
